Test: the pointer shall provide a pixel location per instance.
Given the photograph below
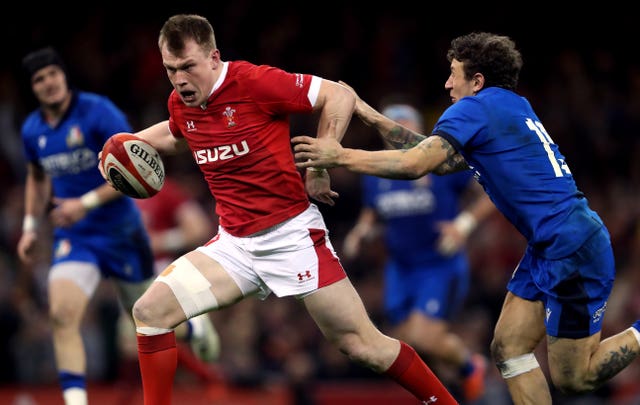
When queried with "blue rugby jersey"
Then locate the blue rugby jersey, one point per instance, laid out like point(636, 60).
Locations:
point(411, 210)
point(68, 153)
point(521, 169)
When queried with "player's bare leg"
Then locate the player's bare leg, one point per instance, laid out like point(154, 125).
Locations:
point(592, 363)
point(67, 305)
point(518, 332)
point(342, 318)
point(158, 311)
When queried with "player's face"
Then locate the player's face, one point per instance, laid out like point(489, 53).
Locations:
point(457, 84)
point(192, 73)
point(49, 85)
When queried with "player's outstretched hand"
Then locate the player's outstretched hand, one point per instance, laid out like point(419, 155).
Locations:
point(321, 153)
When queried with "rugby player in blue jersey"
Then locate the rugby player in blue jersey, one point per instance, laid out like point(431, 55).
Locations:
point(561, 285)
point(97, 231)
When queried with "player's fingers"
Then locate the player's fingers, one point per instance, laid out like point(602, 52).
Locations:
point(304, 159)
point(302, 139)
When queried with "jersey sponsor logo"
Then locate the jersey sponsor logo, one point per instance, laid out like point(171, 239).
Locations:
point(400, 203)
point(229, 114)
point(224, 152)
point(597, 316)
point(70, 162)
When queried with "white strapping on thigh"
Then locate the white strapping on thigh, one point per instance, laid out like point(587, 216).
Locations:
point(190, 287)
point(518, 365)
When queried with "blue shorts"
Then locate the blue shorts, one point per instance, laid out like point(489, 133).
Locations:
point(574, 289)
point(127, 258)
point(438, 289)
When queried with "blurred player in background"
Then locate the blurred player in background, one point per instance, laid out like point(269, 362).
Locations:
point(560, 288)
point(97, 231)
point(234, 116)
point(427, 272)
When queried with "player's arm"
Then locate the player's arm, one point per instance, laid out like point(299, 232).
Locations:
point(194, 228)
point(362, 230)
point(36, 199)
point(37, 191)
point(454, 234)
point(161, 138)
point(411, 163)
point(335, 103)
point(397, 136)
point(394, 135)
point(454, 164)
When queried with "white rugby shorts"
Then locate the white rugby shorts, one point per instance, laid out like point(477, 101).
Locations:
point(294, 257)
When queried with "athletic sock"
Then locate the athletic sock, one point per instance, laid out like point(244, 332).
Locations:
point(415, 376)
point(199, 368)
point(74, 388)
point(158, 359)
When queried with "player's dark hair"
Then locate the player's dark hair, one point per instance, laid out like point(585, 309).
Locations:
point(494, 56)
point(181, 27)
point(41, 58)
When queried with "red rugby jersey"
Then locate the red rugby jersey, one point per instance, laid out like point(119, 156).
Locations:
point(241, 143)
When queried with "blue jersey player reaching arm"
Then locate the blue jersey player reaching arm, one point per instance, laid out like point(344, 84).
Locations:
point(561, 285)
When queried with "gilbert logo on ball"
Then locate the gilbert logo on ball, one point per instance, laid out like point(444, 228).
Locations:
point(132, 165)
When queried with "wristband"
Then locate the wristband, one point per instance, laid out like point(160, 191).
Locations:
point(465, 223)
point(315, 169)
point(90, 200)
point(29, 223)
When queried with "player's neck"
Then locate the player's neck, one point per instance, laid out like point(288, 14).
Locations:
point(54, 112)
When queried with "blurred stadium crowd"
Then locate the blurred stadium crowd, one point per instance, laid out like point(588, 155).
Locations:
point(584, 86)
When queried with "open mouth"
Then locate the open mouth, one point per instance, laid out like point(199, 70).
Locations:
point(188, 96)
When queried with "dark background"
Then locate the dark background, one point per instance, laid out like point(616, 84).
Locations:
point(581, 73)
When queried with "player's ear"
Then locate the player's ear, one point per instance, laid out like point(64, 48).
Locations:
point(214, 58)
point(478, 82)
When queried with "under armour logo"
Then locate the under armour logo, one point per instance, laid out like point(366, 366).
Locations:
point(431, 400)
point(548, 315)
point(301, 276)
point(191, 126)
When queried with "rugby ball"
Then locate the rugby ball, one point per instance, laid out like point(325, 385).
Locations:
point(132, 165)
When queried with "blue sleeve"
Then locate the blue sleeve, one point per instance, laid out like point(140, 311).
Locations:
point(111, 120)
point(463, 123)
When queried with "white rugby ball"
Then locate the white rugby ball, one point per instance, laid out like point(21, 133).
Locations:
point(132, 165)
